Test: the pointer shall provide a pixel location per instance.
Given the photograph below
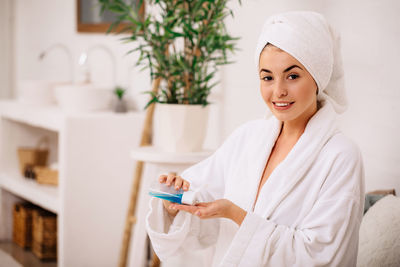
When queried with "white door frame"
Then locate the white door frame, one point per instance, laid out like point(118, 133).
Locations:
point(7, 73)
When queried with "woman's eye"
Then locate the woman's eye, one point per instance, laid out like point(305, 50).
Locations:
point(266, 78)
point(293, 76)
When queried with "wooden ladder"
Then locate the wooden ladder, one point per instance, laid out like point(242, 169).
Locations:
point(130, 217)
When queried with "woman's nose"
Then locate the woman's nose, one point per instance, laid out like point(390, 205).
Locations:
point(280, 89)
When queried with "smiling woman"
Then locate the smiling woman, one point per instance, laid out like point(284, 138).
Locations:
point(282, 191)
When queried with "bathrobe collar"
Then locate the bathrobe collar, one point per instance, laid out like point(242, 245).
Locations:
point(321, 127)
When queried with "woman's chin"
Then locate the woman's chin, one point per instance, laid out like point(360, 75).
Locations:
point(281, 116)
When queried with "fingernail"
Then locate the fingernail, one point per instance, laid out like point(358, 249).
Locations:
point(197, 213)
point(173, 207)
point(185, 187)
point(176, 187)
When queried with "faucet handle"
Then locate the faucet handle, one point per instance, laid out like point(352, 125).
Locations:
point(83, 62)
point(83, 58)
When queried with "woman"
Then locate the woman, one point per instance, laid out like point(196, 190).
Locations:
point(283, 191)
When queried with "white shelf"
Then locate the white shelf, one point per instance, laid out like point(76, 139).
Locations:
point(53, 117)
point(49, 117)
point(155, 155)
point(45, 196)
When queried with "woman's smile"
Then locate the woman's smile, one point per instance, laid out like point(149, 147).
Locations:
point(282, 105)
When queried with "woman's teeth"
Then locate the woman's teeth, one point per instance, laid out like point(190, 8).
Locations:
point(282, 104)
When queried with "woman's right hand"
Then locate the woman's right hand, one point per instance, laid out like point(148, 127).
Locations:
point(177, 182)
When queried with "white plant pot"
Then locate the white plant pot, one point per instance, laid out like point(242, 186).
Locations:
point(179, 128)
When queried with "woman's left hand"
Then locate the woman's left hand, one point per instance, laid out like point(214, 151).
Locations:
point(221, 208)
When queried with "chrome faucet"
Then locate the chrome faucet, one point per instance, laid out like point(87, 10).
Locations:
point(84, 59)
point(63, 47)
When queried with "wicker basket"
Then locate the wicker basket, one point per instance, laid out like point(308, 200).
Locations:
point(22, 224)
point(45, 175)
point(44, 243)
point(30, 157)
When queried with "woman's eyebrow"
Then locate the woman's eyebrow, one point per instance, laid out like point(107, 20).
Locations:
point(286, 70)
point(265, 70)
point(291, 67)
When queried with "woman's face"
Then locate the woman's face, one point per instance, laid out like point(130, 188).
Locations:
point(286, 86)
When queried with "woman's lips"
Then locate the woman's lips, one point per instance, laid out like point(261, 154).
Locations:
point(282, 105)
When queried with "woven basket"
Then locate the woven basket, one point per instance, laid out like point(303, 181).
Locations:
point(45, 175)
point(33, 156)
point(22, 224)
point(44, 228)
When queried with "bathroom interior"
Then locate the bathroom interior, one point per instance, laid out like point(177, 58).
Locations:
point(58, 75)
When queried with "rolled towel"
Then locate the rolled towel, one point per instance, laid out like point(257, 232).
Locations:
point(309, 38)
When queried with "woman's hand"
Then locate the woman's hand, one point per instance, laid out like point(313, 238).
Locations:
point(177, 182)
point(221, 208)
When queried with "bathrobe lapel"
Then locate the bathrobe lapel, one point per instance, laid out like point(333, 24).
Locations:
point(250, 166)
point(294, 167)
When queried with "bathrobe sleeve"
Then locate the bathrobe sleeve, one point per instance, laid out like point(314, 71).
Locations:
point(326, 236)
point(171, 236)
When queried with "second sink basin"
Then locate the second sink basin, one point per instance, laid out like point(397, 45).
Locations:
point(37, 92)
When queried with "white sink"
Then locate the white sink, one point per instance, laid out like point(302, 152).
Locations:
point(37, 92)
point(83, 97)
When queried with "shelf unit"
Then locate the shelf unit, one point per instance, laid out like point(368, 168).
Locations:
point(95, 176)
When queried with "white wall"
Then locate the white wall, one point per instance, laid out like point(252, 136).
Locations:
point(370, 35)
point(42, 23)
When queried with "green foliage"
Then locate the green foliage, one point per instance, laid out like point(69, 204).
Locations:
point(183, 42)
point(119, 92)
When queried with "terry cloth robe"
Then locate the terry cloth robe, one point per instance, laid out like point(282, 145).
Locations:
point(308, 212)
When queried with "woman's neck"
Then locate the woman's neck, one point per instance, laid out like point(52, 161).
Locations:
point(295, 128)
point(292, 130)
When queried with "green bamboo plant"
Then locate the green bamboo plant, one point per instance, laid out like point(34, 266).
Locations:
point(183, 42)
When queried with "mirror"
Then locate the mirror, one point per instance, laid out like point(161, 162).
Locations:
point(90, 20)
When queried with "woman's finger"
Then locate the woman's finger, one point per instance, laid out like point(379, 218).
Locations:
point(170, 179)
point(187, 208)
point(203, 215)
point(178, 182)
point(162, 178)
point(203, 204)
point(185, 185)
point(167, 205)
point(205, 212)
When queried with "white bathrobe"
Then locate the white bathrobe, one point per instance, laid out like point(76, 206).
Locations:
point(308, 212)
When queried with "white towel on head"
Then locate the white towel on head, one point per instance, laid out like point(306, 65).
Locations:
point(314, 43)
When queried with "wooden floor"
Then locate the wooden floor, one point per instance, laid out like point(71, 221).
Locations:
point(25, 257)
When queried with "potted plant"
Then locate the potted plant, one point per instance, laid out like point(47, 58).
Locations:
point(120, 104)
point(183, 43)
